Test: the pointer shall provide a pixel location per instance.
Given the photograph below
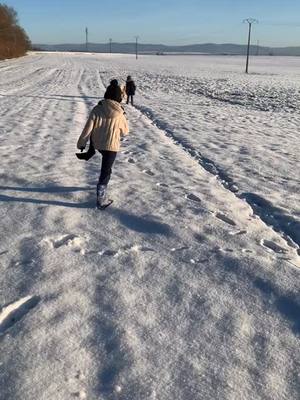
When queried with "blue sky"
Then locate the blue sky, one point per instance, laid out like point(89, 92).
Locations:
point(160, 21)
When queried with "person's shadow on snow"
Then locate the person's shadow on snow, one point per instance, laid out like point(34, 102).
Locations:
point(143, 224)
point(50, 190)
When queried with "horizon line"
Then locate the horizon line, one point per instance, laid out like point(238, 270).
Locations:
point(167, 45)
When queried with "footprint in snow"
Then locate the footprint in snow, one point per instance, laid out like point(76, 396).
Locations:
point(225, 219)
point(174, 249)
point(25, 262)
point(131, 160)
point(200, 238)
point(14, 312)
point(164, 185)
point(80, 395)
point(79, 375)
point(193, 197)
point(108, 253)
point(226, 250)
point(233, 188)
point(137, 248)
point(69, 240)
point(127, 249)
point(237, 233)
point(148, 172)
point(269, 244)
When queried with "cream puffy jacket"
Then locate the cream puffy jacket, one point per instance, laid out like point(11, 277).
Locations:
point(106, 123)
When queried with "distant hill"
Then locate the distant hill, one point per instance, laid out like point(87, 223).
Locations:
point(206, 48)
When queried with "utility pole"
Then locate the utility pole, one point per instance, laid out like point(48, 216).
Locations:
point(86, 39)
point(110, 43)
point(250, 22)
point(136, 47)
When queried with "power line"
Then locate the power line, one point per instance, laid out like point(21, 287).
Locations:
point(290, 24)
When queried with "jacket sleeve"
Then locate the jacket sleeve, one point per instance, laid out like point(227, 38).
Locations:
point(87, 130)
point(124, 127)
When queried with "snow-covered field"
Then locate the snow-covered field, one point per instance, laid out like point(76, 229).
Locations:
point(187, 287)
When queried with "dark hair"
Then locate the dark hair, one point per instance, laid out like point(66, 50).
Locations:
point(113, 91)
point(114, 83)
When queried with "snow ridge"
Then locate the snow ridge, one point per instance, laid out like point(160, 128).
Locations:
point(205, 162)
point(273, 217)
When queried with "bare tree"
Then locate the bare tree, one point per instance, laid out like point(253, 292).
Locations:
point(14, 41)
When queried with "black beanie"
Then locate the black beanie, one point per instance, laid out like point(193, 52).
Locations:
point(113, 93)
point(114, 83)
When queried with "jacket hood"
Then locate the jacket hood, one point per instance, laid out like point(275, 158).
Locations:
point(110, 108)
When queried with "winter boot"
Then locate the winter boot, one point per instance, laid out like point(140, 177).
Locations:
point(102, 200)
point(101, 195)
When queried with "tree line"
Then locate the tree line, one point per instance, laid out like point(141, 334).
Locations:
point(14, 41)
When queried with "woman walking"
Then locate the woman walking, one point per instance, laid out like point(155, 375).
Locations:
point(104, 126)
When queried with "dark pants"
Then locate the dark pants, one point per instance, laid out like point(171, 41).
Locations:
point(131, 98)
point(108, 159)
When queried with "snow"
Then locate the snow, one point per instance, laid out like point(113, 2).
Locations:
point(187, 287)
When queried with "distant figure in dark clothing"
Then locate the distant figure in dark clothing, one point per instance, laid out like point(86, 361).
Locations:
point(130, 89)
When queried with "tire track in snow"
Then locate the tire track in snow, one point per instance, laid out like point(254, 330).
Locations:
point(50, 148)
point(14, 65)
point(39, 86)
point(275, 220)
point(32, 267)
point(40, 75)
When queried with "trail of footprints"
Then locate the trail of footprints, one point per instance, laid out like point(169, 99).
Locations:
point(125, 250)
point(77, 243)
point(14, 312)
point(72, 241)
point(131, 160)
point(270, 245)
